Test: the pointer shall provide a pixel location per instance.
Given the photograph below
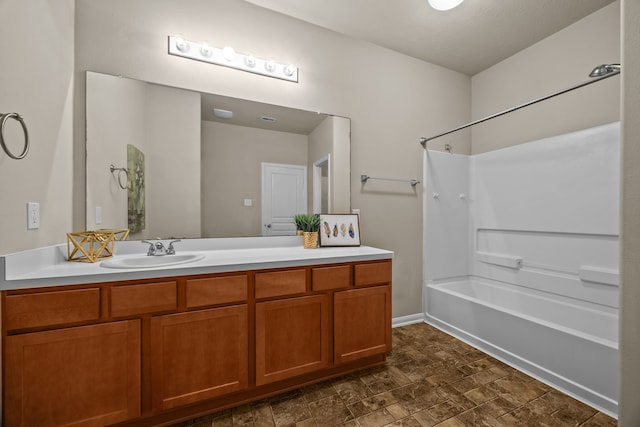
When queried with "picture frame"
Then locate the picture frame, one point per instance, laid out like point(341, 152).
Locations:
point(339, 230)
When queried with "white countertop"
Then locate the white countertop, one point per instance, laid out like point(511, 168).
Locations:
point(49, 266)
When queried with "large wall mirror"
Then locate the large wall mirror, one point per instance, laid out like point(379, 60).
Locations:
point(159, 161)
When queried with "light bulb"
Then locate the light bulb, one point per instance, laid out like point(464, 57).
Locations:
point(229, 53)
point(206, 50)
point(250, 60)
point(181, 44)
point(270, 66)
point(289, 70)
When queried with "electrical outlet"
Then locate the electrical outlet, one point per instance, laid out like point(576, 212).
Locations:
point(33, 215)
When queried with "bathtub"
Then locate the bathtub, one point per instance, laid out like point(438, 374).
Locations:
point(568, 344)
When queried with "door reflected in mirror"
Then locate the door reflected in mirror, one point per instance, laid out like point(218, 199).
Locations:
point(203, 173)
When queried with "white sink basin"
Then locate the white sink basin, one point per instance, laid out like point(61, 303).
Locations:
point(144, 261)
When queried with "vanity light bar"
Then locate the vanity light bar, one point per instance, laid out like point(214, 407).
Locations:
point(230, 58)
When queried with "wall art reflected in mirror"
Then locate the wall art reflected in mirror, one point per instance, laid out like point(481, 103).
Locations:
point(241, 171)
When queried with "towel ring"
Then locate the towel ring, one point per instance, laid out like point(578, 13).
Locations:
point(17, 117)
point(126, 174)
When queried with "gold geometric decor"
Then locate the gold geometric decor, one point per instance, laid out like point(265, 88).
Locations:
point(92, 246)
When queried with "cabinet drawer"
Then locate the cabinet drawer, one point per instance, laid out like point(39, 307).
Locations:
point(140, 299)
point(279, 283)
point(373, 273)
point(51, 308)
point(216, 290)
point(325, 278)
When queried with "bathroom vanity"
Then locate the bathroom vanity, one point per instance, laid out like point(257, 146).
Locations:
point(143, 347)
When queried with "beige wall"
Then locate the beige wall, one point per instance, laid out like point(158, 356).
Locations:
point(162, 122)
point(332, 138)
point(37, 51)
point(391, 99)
point(172, 163)
point(629, 407)
point(553, 64)
point(341, 166)
point(112, 100)
point(231, 172)
point(320, 146)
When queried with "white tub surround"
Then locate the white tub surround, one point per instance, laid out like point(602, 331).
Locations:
point(521, 257)
point(49, 266)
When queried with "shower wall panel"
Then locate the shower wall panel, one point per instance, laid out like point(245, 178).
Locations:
point(446, 218)
point(545, 215)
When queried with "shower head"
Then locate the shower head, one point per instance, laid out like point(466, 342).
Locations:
point(605, 69)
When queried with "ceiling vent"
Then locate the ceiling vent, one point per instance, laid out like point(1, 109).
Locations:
point(223, 114)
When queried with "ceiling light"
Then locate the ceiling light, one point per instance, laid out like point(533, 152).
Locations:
point(223, 114)
point(444, 4)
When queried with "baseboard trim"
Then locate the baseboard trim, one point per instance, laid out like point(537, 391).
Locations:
point(407, 320)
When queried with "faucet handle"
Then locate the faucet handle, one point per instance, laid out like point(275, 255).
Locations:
point(152, 248)
point(170, 249)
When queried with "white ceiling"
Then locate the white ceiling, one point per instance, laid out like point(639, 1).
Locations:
point(249, 113)
point(468, 39)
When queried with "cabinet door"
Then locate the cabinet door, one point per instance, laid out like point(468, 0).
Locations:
point(292, 337)
point(84, 376)
point(362, 323)
point(198, 355)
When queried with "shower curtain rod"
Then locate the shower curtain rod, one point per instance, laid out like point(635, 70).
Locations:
point(424, 140)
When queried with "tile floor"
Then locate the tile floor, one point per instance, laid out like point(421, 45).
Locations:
point(430, 379)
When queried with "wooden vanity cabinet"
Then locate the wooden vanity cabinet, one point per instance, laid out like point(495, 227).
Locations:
point(84, 376)
point(292, 337)
point(361, 326)
point(152, 352)
point(362, 316)
point(198, 355)
point(202, 354)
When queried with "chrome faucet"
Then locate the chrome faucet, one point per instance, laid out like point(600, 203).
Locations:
point(170, 249)
point(158, 248)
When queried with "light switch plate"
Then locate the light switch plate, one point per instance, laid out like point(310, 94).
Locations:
point(98, 214)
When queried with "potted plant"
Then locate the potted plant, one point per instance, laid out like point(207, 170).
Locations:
point(298, 219)
point(310, 225)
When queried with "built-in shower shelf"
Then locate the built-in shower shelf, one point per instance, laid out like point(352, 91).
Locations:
point(510, 261)
point(605, 276)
